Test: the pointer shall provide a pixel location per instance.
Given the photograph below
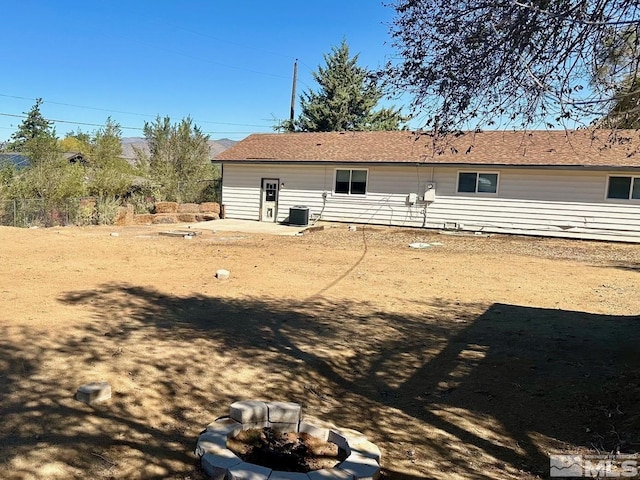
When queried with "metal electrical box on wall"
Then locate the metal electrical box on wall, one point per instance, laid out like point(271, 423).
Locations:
point(412, 198)
point(430, 192)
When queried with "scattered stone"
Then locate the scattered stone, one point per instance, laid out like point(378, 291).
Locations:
point(223, 274)
point(114, 234)
point(91, 393)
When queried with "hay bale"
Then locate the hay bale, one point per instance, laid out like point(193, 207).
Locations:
point(166, 207)
point(164, 218)
point(188, 208)
point(206, 217)
point(210, 207)
point(186, 217)
point(125, 215)
point(143, 219)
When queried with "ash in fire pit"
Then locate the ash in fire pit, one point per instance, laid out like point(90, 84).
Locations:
point(285, 451)
point(272, 441)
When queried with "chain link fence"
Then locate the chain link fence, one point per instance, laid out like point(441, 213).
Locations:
point(40, 212)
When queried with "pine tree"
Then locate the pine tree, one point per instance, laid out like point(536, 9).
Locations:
point(32, 127)
point(345, 101)
point(617, 54)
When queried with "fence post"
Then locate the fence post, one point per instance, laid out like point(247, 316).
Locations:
point(15, 213)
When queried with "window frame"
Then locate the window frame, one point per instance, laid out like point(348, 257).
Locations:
point(478, 173)
point(350, 193)
point(635, 179)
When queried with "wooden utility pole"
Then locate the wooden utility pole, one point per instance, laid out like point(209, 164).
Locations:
point(293, 91)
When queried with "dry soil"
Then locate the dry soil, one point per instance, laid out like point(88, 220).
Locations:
point(472, 359)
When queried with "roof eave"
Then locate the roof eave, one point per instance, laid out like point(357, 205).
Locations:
point(550, 166)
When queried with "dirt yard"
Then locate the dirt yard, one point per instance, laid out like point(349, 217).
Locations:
point(474, 359)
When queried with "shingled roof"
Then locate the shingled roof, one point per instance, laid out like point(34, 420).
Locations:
point(579, 148)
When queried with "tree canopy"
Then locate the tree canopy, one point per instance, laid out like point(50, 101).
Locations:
point(34, 126)
point(179, 159)
point(470, 63)
point(616, 57)
point(345, 100)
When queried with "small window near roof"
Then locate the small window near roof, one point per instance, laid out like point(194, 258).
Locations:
point(351, 182)
point(624, 188)
point(476, 182)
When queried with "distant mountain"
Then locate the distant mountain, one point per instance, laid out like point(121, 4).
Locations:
point(226, 142)
point(129, 144)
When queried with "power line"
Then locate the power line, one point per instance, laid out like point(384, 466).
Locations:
point(103, 125)
point(124, 112)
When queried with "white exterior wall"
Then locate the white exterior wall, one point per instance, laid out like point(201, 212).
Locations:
point(543, 202)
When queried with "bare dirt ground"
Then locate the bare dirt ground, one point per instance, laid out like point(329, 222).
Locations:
point(474, 359)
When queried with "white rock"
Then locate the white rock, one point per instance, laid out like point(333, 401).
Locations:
point(222, 274)
point(96, 392)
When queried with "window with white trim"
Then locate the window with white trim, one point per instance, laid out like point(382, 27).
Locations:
point(477, 182)
point(351, 182)
point(623, 188)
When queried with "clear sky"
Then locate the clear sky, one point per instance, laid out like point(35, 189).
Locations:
point(227, 64)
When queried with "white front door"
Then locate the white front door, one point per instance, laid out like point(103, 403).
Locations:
point(269, 200)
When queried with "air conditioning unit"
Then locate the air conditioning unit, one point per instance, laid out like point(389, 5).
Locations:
point(299, 215)
point(430, 192)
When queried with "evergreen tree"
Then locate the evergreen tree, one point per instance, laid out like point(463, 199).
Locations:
point(345, 101)
point(32, 127)
point(625, 112)
point(617, 58)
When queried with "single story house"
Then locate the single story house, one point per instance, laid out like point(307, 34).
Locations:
point(576, 184)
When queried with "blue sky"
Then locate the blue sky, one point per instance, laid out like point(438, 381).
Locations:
point(228, 64)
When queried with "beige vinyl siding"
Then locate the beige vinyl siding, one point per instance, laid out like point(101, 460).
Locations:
point(538, 202)
point(566, 203)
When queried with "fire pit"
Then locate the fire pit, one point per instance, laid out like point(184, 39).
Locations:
point(272, 441)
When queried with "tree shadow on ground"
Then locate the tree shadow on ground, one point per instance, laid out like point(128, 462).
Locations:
point(460, 391)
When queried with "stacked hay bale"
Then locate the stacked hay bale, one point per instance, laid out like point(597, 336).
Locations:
point(187, 212)
point(208, 211)
point(125, 215)
point(173, 212)
point(166, 212)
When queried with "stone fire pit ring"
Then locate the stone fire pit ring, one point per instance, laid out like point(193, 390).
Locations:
point(220, 463)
